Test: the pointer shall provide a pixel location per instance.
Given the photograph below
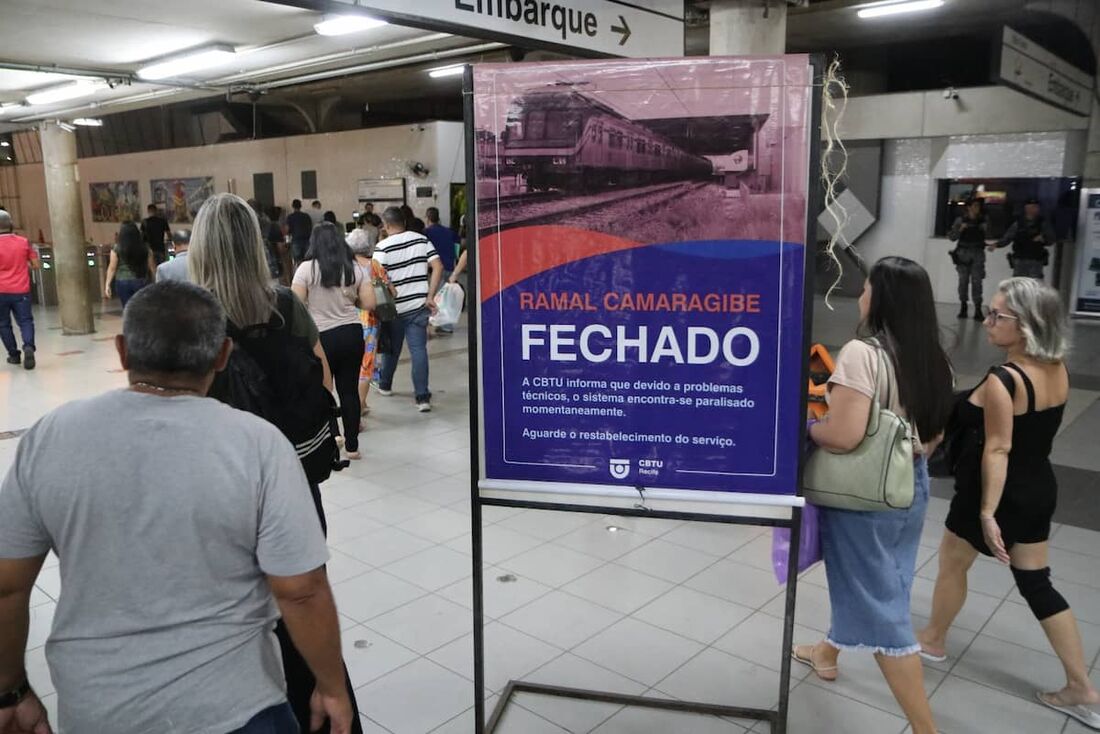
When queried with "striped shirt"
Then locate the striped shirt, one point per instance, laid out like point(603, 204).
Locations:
point(405, 256)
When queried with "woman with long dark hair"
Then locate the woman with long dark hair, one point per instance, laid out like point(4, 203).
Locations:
point(334, 290)
point(1005, 488)
point(870, 557)
point(131, 266)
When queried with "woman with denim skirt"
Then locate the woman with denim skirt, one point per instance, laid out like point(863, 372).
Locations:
point(870, 557)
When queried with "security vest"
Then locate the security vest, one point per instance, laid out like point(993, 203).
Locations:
point(1024, 245)
point(974, 235)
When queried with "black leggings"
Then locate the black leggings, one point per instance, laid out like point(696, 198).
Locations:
point(344, 350)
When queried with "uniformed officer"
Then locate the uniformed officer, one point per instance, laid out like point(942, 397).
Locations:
point(1030, 236)
point(970, 231)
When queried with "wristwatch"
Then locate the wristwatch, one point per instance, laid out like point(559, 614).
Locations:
point(15, 695)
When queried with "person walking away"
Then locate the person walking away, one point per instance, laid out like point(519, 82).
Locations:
point(173, 570)
point(272, 237)
point(970, 231)
point(156, 232)
point(445, 242)
point(334, 290)
point(374, 274)
point(316, 212)
point(131, 266)
point(1005, 487)
point(413, 223)
point(415, 271)
point(1031, 236)
point(299, 226)
point(365, 236)
point(176, 268)
point(870, 557)
point(227, 258)
point(17, 258)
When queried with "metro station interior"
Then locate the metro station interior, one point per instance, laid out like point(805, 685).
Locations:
point(355, 103)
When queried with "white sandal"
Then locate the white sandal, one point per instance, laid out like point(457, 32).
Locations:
point(1082, 713)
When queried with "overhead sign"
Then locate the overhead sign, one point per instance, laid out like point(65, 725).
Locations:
point(1030, 68)
point(1086, 276)
point(644, 28)
point(641, 314)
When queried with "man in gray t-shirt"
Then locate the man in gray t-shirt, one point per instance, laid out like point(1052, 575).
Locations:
point(174, 565)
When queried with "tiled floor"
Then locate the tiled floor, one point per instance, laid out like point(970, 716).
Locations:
point(659, 608)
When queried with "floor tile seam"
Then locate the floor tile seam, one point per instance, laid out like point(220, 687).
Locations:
point(1027, 699)
point(958, 658)
point(811, 680)
point(388, 562)
point(554, 645)
point(388, 731)
point(374, 680)
point(1095, 556)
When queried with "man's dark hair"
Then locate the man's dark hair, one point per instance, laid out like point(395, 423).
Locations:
point(152, 208)
point(394, 216)
point(296, 204)
point(432, 215)
point(173, 327)
point(315, 204)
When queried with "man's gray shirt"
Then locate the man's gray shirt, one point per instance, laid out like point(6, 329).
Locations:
point(166, 513)
point(174, 269)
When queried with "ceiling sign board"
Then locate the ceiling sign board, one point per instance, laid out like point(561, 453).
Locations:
point(1030, 68)
point(642, 28)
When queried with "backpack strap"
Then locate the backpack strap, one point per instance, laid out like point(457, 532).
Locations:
point(1027, 385)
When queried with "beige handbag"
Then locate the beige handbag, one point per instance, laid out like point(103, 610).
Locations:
point(878, 474)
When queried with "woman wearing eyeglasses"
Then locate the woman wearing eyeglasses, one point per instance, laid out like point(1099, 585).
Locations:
point(1005, 490)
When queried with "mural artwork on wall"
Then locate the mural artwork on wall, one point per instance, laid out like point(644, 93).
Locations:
point(115, 201)
point(180, 198)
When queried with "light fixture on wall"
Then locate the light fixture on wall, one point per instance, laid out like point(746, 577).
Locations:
point(72, 90)
point(188, 62)
point(896, 7)
point(443, 71)
point(88, 122)
point(342, 25)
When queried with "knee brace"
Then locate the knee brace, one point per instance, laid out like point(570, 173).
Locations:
point(1039, 593)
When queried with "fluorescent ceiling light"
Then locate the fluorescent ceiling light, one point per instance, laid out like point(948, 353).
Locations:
point(341, 25)
point(88, 121)
point(187, 62)
point(82, 88)
point(442, 71)
point(879, 10)
point(4, 144)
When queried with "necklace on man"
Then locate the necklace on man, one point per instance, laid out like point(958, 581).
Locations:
point(161, 389)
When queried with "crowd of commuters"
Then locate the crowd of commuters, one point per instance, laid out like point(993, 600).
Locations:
point(219, 613)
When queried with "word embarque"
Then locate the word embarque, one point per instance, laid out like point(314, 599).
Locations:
point(739, 346)
point(672, 302)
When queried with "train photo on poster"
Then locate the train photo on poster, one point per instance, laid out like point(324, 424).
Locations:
point(567, 141)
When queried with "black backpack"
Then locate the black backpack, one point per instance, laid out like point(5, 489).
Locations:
point(276, 376)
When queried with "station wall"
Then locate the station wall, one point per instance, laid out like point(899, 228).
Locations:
point(340, 160)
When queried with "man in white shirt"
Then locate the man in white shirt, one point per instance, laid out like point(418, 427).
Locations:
point(176, 268)
point(415, 270)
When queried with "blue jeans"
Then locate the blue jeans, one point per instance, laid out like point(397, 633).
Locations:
point(18, 304)
point(412, 328)
point(275, 720)
point(128, 287)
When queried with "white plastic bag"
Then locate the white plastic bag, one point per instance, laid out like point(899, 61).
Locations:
point(449, 301)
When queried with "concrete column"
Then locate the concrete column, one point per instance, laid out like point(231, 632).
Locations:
point(67, 226)
point(748, 27)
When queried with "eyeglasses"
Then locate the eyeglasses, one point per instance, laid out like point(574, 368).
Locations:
point(996, 316)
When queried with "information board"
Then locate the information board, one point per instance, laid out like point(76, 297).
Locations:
point(641, 272)
point(1086, 274)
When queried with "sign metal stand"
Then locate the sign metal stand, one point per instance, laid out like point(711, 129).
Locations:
point(777, 718)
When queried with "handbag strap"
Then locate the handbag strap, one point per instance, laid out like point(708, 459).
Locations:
point(882, 373)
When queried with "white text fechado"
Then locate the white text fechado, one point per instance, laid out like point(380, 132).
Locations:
point(739, 346)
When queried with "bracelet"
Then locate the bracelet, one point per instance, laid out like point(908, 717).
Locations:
point(15, 695)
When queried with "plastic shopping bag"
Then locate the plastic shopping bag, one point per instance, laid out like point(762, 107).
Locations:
point(449, 301)
point(809, 548)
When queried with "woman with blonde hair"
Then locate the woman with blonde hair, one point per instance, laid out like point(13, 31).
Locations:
point(228, 257)
point(1005, 489)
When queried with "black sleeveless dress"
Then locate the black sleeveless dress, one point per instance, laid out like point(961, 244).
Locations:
point(1030, 492)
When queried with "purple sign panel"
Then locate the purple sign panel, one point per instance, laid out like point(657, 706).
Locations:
point(641, 230)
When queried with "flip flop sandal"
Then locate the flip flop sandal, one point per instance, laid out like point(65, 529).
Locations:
point(932, 658)
point(1084, 714)
point(825, 673)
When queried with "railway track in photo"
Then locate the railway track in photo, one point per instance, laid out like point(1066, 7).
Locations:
point(588, 211)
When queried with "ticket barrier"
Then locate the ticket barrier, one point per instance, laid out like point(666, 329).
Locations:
point(96, 258)
point(44, 280)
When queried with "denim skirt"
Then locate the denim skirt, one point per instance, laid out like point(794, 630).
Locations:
point(870, 560)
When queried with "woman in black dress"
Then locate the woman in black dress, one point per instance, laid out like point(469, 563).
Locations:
point(1005, 490)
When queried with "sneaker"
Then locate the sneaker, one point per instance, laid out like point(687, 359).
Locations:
point(14, 358)
point(963, 312)
point(424, 407)
point(28, 358)
point(384, 392)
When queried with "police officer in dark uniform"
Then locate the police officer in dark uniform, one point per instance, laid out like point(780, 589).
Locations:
point(970, 231)
point(1030, 236)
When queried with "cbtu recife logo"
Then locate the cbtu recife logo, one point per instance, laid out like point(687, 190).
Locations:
point(619, 468)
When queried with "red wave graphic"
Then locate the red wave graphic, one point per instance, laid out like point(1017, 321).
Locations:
point(529, 251)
